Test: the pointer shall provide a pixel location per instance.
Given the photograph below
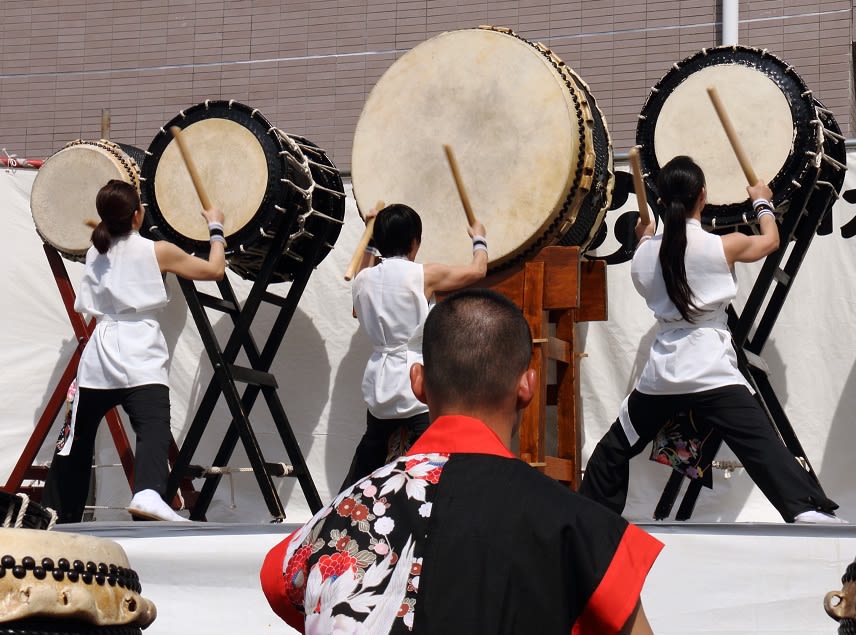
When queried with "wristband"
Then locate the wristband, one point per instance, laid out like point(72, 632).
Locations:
point(218, 238)
point(215, 225)
point(761, 202)
point(766, 212)
point(477, 246)
point(214, 231)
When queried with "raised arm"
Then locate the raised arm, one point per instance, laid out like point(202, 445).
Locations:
point(742, 248)
point(173, 259)
point(369, 258)
point(439, 277)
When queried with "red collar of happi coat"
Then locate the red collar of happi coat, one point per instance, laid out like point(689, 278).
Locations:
point(458, 434)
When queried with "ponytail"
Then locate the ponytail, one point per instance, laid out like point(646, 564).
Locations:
point(101, 237)
point(679, 185)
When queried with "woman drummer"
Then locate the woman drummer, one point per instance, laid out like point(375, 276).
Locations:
point(686, 277)
point(391, 301)
point(125, 360)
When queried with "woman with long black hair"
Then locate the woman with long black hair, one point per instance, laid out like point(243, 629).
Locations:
point(686, 276)
point(125, 361)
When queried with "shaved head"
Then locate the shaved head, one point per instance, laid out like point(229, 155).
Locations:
point(476, 345)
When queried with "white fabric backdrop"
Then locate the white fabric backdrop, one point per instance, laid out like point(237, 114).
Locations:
point(811, 356)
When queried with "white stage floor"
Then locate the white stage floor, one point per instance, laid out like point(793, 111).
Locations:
point(739, 579)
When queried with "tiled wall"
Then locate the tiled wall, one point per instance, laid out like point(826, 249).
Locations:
point(308, 66)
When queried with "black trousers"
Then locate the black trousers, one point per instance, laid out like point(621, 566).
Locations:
point(738, 417)
point(383, 441)
point(147, 407)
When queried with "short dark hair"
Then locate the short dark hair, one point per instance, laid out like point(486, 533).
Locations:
point(396, 227)
point(476, 345)
point(116, 203)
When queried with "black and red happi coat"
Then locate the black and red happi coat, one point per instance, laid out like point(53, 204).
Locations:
point(459, 537)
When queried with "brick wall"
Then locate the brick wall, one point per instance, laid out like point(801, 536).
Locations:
point(308, 66)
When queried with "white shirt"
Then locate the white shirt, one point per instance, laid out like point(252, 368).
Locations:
point(389, 300)
point(124, 290)
point(687, 357)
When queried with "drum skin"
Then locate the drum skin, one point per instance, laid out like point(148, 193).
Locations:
point(62, 199)
point(770, 107)
point(520, 130)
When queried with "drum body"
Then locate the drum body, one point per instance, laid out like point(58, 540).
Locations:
point(18, 511)
point(255, 173)
point(772, 111)
point(64, 190)
point(520, 128)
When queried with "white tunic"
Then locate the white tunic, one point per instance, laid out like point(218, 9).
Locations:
point(687, 357)
point(124, 290)
point(389, 300)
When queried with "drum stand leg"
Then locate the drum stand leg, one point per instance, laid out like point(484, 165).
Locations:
point(258, 379)
point(24, 468)
point(803, 220)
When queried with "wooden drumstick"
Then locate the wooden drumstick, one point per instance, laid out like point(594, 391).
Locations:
point(351, 271)
point(732, 136)
point(188, 161)
point(459, 183)
point(639, 186)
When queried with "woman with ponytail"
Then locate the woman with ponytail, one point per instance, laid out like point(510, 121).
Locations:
point(125, 360)
point(686, 276)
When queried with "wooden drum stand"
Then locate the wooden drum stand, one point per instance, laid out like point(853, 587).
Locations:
point(555, 288)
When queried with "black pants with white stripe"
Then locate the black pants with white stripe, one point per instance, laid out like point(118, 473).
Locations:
point(147, 407)
point(738, 417)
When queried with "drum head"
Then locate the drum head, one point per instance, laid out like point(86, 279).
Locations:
point(766, 101)
point(514, 125)
point(230, 150)
point(63, 194)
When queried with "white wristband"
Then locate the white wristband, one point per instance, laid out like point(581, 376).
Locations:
point(765, 212)
point(759, 202)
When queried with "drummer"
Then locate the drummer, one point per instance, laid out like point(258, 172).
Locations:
point(391, 301)
point(125, 361)
point(686, 276)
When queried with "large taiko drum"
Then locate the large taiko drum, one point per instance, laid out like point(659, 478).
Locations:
point(521, 126)
point(255, 173)
point(771, 109)
point(62, 198)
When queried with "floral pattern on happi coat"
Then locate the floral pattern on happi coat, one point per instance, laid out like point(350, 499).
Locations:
point(354, 569)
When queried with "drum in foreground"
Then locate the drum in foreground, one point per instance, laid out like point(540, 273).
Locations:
point(772, 111)
point(62, 199)
point(255, 173)
point(58, 583)
point(521, 130)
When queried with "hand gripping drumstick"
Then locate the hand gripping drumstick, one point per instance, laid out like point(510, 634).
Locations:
point(188, 161)
point(351, 271)
point(459, 183)
point(732, 136)
point(639, 186)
